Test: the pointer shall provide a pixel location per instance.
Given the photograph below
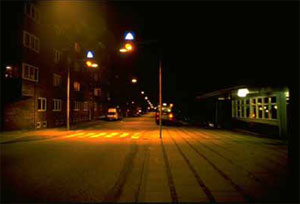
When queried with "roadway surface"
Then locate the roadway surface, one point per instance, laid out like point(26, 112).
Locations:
point(125, 161)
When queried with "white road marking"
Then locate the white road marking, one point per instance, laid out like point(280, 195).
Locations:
point(98, 135)
point(124, 134)
point(112, 134)
point(76, 134)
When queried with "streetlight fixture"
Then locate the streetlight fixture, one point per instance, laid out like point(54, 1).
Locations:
point(146, 98)
point(142, 92)
point(134, 80)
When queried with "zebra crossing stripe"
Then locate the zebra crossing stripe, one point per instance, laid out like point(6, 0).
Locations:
point(98, 135)
point(112, 134)
point(136, 136)
point(124, 134)
point(76, 134)
point(87, 135)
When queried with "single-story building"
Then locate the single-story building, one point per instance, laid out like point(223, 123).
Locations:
point(263, 110)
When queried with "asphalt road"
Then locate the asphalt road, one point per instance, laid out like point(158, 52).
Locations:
point(125, 161)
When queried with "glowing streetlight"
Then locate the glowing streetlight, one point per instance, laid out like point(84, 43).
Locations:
point(142, 92)
point(134, 81)
point(123, 50)
point(146, 98)
point(129, 46)
point(242, 92)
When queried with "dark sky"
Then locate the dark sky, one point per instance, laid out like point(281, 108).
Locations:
point(213, 45)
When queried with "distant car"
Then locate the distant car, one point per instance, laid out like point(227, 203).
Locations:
point(168, 116)
point(114, 114)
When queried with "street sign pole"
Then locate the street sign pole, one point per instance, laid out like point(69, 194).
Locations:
point(160, 101)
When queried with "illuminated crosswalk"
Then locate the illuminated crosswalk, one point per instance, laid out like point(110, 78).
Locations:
point(95, 135)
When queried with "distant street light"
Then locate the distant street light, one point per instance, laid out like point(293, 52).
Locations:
point(142, 92)
point(134, 80)
point(146, 98)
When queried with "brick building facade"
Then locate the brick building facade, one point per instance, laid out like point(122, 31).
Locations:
point(36, 55)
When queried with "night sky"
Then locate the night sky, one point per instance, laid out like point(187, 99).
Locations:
point(212, 45)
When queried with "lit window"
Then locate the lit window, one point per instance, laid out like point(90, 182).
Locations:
point(76, 106)
point(42, 104)
point(97, 91)
point(85, 106)
point(56, 104)
point(56, 80)
point(57, 56)
point(29, 72)
point(95, 106)
point(76, 86)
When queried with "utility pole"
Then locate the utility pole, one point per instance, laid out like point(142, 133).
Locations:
point(160, 100)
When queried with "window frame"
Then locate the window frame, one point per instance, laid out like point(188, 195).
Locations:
point(57, 104)
point(43, 109)
point(30, 77)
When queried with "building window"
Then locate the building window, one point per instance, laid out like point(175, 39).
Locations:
point(56, 104)
point(32, 12)
point(42, 104)
point(97, 91)
point(76, 86)
point(95, 106)
point(31, 41)
point(85, 106)
point(76, 106)
point(57, 56)
point(30, 72)
point(255, 108)
point(56, 80)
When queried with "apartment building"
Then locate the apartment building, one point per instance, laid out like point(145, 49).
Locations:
point(36, 56)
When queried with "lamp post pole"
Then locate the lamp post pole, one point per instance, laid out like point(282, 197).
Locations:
point(160, 101)
point(68, 95)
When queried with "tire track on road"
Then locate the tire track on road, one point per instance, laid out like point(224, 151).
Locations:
point(115, 192)
point(238, 188)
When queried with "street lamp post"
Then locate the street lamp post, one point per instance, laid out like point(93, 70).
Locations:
point(160, 100)
point(68, 95)
point(129, 48)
